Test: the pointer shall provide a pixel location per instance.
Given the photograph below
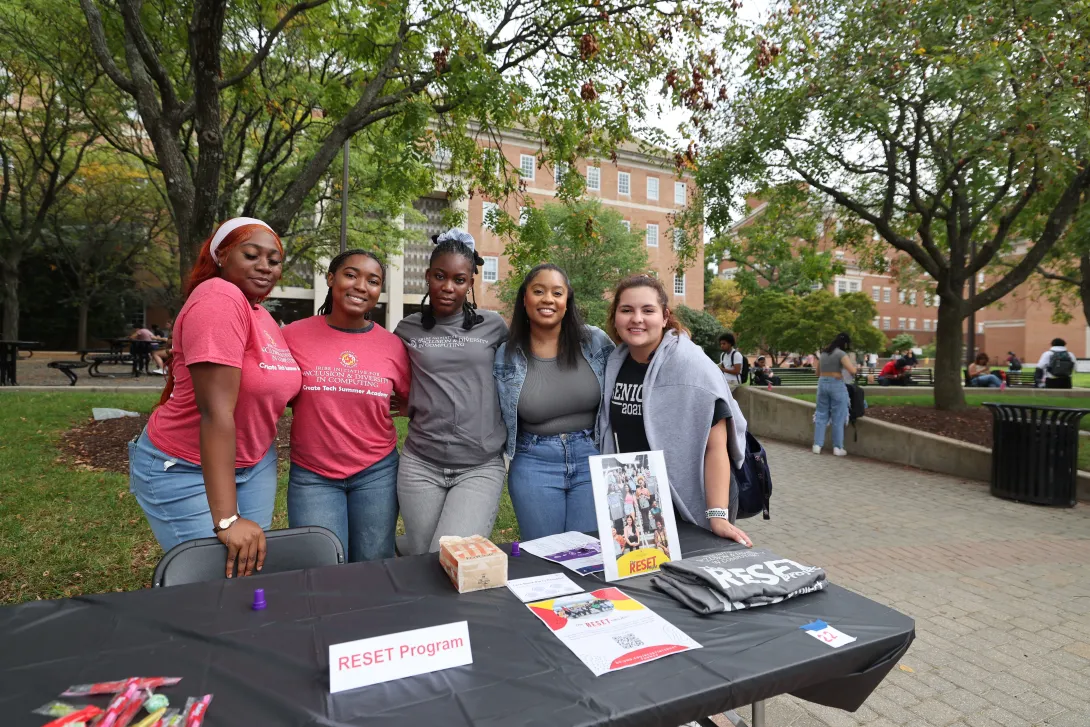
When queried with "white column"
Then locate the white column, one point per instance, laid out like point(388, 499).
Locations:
point(395, 290)
point(320, 287)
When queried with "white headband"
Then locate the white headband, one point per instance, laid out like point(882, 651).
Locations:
point(228, 227)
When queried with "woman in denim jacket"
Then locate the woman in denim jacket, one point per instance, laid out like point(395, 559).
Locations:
point(549, 376)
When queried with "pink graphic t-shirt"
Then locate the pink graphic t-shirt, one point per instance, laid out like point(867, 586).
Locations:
point(341, 422)
point(218, 325)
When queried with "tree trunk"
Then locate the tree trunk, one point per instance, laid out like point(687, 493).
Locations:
point(81, 336)
point(1084, 285)
point(949, 386)
point(9, 300)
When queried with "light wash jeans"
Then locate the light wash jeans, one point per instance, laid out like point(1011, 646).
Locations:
point(832, 407)
point(171, 493)
point(361, 510)
point(437, 501)
point(986, 380)
point(550, 485)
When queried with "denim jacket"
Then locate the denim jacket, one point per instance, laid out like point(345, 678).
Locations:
point(510, 377)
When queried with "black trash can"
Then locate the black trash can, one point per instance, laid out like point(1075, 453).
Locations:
point(1035, 453)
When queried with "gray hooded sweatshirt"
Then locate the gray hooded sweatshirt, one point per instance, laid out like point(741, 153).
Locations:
point(680, 389)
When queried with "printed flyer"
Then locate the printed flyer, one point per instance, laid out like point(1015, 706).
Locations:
point(635, 513)
point(577, 552)
point(609, 631)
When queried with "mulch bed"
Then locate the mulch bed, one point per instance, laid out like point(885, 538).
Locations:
point(103, 446)
point(973, 424)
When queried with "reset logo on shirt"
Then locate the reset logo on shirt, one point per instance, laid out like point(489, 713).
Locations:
point(629, 397)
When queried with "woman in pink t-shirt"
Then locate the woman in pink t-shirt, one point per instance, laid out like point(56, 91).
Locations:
point(207, 461)
point(344, 456)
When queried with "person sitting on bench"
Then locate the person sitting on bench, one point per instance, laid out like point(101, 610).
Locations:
point(980, 373)
point(896, 373)
point(762, 374)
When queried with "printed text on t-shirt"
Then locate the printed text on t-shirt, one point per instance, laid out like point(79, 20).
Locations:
point(629, 397)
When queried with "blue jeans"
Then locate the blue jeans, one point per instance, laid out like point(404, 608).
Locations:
point(986, 380)
point(171, 493)
point(832, 407)
point(361, 510)
point(549, 482)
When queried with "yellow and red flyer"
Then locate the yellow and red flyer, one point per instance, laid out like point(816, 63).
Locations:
point(609, 631)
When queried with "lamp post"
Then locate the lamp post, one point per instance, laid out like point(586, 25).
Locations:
point(970, 347)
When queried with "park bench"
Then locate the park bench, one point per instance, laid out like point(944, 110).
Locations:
point(1014, 378)
point(97, 360)
point(68, 368)
point(918, 376)
point(796, 377)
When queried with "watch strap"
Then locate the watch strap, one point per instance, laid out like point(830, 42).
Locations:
point(718, 512)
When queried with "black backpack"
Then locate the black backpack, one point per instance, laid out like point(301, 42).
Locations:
point(1061, 365)
point(754, 480)
point(857, 406)
point(744, 376)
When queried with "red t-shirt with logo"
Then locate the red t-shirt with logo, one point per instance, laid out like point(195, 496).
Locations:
point(341, 422)
point(218, 325)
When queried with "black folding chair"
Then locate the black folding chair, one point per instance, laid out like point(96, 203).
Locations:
point(289, 549)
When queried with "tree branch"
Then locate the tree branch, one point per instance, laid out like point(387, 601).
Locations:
point(102, 50)
point(263, 53)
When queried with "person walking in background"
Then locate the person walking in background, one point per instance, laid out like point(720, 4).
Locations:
point(980, 373)
point(832, 394)
point(451, 472)
point(206, 463)
point(1056, 366)
point(344, 458)
point(549, 377)
point(730, 360)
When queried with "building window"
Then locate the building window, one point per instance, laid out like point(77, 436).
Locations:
point(527, 165)
point(877, 321)
point(841, 287)
point(559, 171)
point(876, 294)
point(680, 193)
point(935, 324)
point(901, 297)
point(679, 238)
point(927, 324)
point(652, 235)
point(624, 183)
point(594, 179)
point(912, 297)
point(854, 286)
point(489, 215)
point(653, 188)
point(728, 274)
point(839, 254)
point(491, 271)
point(900, 324)
point(885, 323)
point(885, 295)
point(524, 215)
point(627, 225)
point(979, 327)
point(679, 284)
point(980, 278)
point(911, 324)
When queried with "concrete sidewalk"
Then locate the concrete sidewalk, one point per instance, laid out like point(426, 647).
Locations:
point(1000, 591)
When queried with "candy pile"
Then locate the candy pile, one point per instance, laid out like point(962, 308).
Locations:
point(130, 696)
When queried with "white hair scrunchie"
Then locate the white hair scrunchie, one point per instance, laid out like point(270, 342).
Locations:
point(230, 226)
point(458, 236)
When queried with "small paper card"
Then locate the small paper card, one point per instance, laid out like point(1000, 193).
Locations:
point(538, 588)
point(827, 634)
point(396, 656)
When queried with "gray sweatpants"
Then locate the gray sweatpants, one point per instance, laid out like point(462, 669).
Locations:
point(437, 501)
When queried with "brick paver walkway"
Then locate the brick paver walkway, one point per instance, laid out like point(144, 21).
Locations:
point(1000, 591)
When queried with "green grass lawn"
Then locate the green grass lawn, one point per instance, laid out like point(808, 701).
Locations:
point(977, 397)
point(66, 531)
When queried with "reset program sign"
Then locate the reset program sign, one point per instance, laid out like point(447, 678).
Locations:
point(396, 656)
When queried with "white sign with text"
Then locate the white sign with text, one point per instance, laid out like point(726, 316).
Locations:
point(396, 656)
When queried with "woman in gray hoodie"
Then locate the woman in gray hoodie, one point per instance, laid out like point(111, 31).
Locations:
point(664, 393)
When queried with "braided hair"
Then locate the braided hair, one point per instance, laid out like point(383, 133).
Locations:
point(454, 242)
point(335, 264)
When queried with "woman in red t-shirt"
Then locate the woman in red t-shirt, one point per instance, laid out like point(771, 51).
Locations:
point(343, 442)
point(207, 461)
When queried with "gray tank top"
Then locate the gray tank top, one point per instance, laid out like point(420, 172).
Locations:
point(555, 400)
point(830, 362)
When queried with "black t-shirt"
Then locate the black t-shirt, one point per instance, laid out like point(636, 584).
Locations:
point(626, 408)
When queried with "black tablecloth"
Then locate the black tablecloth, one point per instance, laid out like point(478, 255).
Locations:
point(271, 667)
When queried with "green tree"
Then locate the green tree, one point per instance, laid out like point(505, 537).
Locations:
point(822, 315)
point(704, 327)
point(781, 247)
point(723, 299)
point(589, 242)
point(902, 342)
point(764, 324)
point(951, 130)
point(227, 95)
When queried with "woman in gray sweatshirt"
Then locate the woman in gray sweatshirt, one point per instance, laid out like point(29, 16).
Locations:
point(664, 393)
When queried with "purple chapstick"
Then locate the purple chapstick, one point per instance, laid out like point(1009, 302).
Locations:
point(515, 549)
point(259, 599)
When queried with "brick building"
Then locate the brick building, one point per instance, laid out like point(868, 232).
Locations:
point(645, 189)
